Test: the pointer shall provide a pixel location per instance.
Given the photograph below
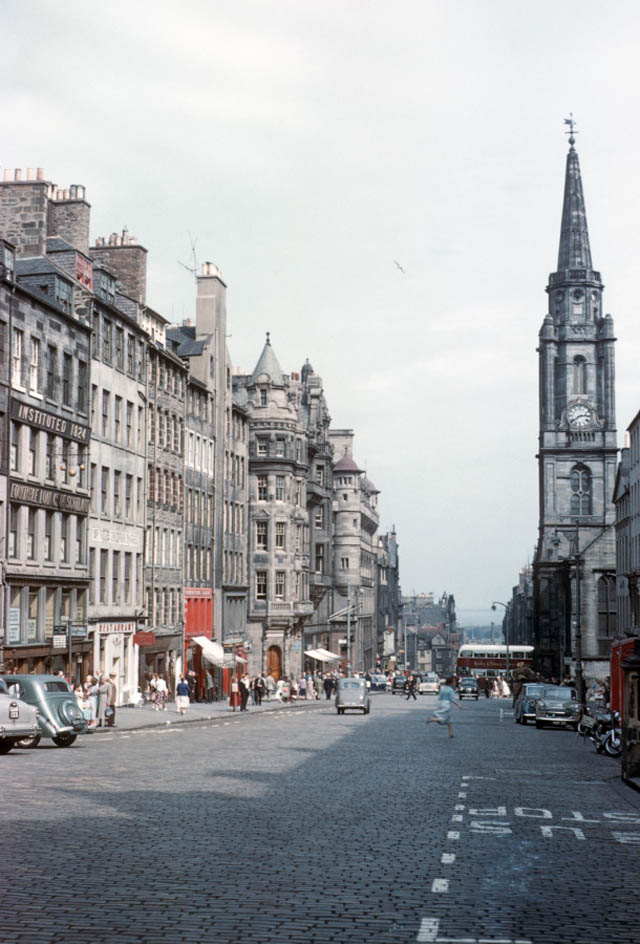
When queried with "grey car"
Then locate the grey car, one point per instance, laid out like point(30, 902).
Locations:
point(17, 720)
point(524, 708)
point(352, 695)
point(60, 716)
point(558, 704)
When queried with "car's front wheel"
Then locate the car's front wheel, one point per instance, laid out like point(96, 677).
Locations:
point(26, 742)
point(64, 740)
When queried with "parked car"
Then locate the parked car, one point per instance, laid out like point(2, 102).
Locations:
point(468, 688)
point(353, 695)
point(17, 720)
point(397, 684)
point(558, 704)
point(60, 716)
point(429, 684)
point(524, 708)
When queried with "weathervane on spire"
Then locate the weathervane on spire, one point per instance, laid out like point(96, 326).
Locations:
point(572, 128)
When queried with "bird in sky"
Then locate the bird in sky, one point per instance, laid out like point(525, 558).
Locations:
point(398, 266)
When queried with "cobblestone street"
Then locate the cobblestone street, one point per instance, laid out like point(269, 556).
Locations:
point(298, 825)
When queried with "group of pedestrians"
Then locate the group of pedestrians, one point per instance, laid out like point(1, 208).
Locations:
point(97, 697)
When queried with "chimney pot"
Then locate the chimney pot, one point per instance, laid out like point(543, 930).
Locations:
point(67, 195)
point(7, 174)
point(18, 174)
point(31, 173)
point(40, 173)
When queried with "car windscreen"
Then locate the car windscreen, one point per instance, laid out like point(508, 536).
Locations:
point(534, 690)
point(350, 685)
point(559, 692)
point(3, 687)
point(56, 686)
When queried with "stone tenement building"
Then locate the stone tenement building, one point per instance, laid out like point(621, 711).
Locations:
point(574, 566)
point(279, 601)
point(45, 333)
point(354, 553)
point(388, 597)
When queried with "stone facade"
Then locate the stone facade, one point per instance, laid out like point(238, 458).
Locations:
point(389, 598)
point(355, 508)
point(279, 602)
point(577, 454)
point(46, 338)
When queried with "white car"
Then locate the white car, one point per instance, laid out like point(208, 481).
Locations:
point(429, 685)
point(18, 720)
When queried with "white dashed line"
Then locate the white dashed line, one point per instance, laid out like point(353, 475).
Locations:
point(447, 858)
point(459, 806)
point(440, 885)
point(452, 834)
point(462, 795)
point(456, 818)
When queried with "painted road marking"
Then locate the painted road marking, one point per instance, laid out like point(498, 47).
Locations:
point(457, 818)
point(459, 806)
point(447, 858)
point(440, 885)
point(428, 930)
point(462, 795)
point(452, 834)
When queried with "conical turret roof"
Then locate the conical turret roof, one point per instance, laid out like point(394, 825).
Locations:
point(268, 364)
point(574, 251)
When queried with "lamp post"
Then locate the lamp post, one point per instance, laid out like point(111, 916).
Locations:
point(506, 631)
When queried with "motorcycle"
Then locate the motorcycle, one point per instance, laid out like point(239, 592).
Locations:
point(604, 729)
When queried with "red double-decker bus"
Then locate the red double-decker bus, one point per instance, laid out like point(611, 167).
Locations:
point(483, 659)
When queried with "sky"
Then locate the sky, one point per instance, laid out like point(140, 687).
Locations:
point(306, 148)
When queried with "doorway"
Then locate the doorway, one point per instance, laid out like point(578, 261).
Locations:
point(274, 662)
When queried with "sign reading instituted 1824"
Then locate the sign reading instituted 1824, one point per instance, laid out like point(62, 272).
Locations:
point(43, 419)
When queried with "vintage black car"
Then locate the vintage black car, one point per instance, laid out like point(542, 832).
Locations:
point(524, 708)
point(60, 717)
point(468, 688)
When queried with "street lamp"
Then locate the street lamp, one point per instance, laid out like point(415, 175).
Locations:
point(506, 629)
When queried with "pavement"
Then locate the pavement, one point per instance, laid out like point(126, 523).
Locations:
point(293, 825)
point(136, 719)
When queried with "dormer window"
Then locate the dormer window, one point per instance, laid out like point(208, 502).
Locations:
point(7, 262)
point(263, 396)
point(63, 294)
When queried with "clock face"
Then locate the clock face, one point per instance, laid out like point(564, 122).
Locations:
point(579, 415)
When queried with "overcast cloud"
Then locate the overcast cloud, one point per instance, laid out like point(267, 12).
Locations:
point(305, 146)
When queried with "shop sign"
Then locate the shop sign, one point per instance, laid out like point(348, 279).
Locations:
point(79, 630)
point(43, 419)
point(106, 629)
point(44, 497)
point(144, 639)
point(13, 635)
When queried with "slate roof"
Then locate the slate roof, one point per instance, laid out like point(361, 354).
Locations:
point(268, 364)
point(346, 464)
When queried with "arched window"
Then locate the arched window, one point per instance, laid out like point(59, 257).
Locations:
point(607, 606)
point(579, 375)
point(580, 490)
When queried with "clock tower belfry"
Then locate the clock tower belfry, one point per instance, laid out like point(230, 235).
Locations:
point(577, 454)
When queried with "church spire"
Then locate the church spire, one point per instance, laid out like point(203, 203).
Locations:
point(574, 251)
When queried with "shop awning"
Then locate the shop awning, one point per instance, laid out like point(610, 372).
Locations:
point(322, 655)
point(212, 651)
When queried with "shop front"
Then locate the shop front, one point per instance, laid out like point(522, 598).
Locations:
point(198, 622)
point(162, 657)
point(115, 653)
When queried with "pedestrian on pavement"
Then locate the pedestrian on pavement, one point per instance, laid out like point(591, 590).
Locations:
point(103, 695)
point(302, 688)
point(245, 691)
point(258, 688)
point(234, 696)
point(270, 685)
point(442, 714)
point(162, 691)
point(495, 689)
point(111, 703)
point(209, 686)
point(328, 686)
point(319, 685)
point(182, 695)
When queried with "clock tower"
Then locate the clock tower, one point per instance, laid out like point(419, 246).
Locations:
point(574, 591)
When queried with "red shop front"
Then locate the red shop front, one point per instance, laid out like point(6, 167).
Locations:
point(198, 621)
